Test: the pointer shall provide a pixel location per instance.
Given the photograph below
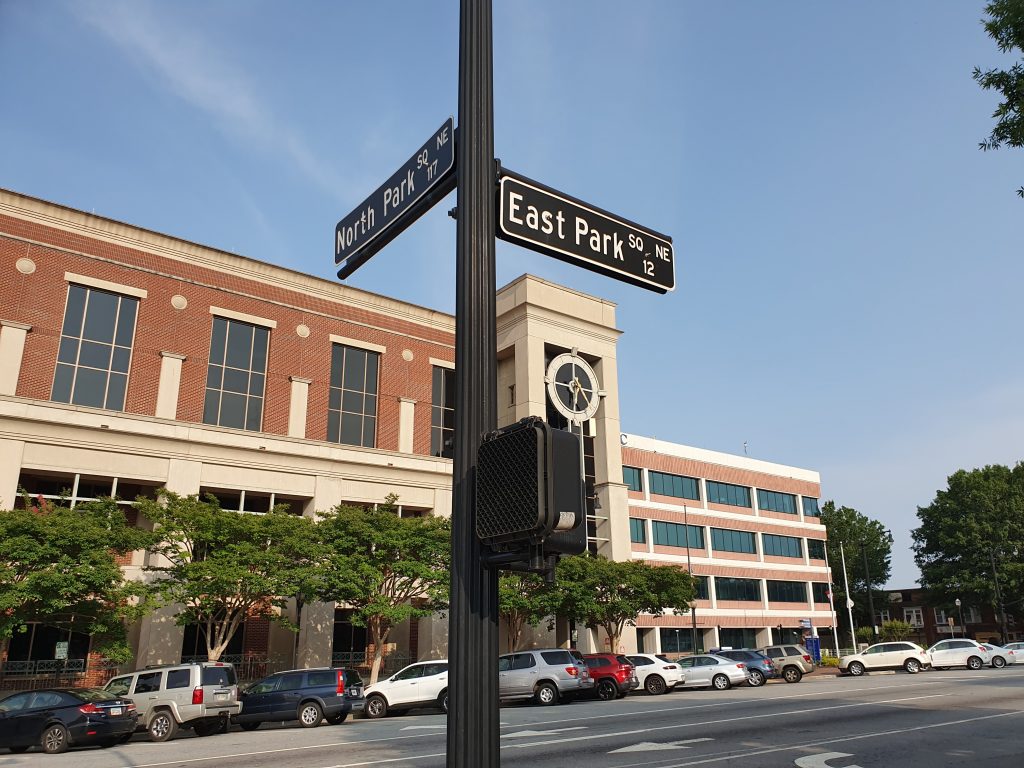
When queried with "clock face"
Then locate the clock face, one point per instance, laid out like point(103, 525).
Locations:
point(572, 387)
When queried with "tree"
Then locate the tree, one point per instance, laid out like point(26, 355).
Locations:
point(896, 630)
point(387, 569)
point(224, 566)
point(972, 535)
point(1005, 25)
point(58, 566)
point(610, 594)
point(522, 600)
point(859, 535)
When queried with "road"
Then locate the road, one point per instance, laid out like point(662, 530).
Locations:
point(929, 720)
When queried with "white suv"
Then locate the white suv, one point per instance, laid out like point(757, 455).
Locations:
point(424, 684)
point(656, 675)
point(894, 655)
point(959, 653)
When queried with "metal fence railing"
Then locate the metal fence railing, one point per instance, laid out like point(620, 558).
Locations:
point(50, 673)
point(362, 661)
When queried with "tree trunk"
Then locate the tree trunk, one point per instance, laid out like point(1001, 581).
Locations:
point(379, 631)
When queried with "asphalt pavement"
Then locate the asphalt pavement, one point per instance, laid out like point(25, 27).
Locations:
point(928, 720)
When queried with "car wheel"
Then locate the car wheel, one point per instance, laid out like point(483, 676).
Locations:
point(607, 690)
point(655, 685)
point(205, 729)
point(998, 662)
point(546, 695)
point(442, 700)
point(756, 679)
point(721, 683)
point(792, 675)
point(250, 726)
point(375, 707)
point(126, 738)
point(913, 666)
point(856, 668)
point(310, 715)
point(337, 719)
point(163, 726)
point(55, 739)
point(974, 663)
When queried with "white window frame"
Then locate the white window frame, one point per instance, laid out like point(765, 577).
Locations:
point(914, 616)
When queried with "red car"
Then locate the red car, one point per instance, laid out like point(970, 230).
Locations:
point(614, 675)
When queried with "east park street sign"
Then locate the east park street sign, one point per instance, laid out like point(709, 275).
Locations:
point(544, 220)
point(424, 179)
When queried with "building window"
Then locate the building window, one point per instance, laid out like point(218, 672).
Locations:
point(816, 549)
point(95, 348)
point(72, 489)
point(724, 493)
point(352, 402)
point(914, 617)
point(633, 478)
point(882, 617)
point(734, 637)
point(442, 413)
point(787, 591)
point(257, 502)
point(723, 540)
point(820, 591)
point(748, 590)
point(637, 530)
point(972, 615)
point(39, 643)
point(673, 485)
point(236, 377)
point(782, 546)
point(940, 616)
point(676, 535)
point(702, 587)
point(773, 501)
point(811, 508)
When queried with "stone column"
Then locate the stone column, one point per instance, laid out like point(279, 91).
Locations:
point(11, 452)
point(406, 420)
point(170, 383)
point(12, 347)
point(298, 406)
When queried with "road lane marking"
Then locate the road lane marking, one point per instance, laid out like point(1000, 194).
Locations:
point(553, 732)
point(821, 760)
point(652, 746)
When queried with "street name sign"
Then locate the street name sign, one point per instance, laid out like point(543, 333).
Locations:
point(551, 222)
point(424, 179)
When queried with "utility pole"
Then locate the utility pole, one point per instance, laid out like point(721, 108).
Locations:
point(473, 616)
point(689, 569)
point(999, 598)
point(871, 600)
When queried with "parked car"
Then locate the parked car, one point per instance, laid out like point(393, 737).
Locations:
point(792, 662)
point(201, 696)
point(54, 719)
point(880, 656)
point(306, 695)
point(548, 676)
point(958, 653)
point(613, 674)
point(759, 667)
point(1017, 648)
point(656, 674)
point(708, 670)
point(1000, 656)
point(424, 684)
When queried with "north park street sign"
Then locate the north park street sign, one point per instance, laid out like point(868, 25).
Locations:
point(424, 179)
point(542, 219)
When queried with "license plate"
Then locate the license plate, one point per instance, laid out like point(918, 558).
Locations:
point(116, 711)
point(220, 697)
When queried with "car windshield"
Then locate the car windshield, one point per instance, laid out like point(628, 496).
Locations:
point(218, 676)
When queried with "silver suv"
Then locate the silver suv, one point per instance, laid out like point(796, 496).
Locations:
point(548, 676)
point(201, 696)
point(792, 662)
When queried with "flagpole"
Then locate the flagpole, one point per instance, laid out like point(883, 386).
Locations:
point(832, 605)
point(849, 602)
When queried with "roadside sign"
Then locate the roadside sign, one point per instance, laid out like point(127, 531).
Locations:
point(60, 650)
point(424, 179)
point(551, 222)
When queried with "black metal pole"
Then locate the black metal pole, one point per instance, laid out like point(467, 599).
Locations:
point(867, 579)
point(1004, 631)
point(473, 616)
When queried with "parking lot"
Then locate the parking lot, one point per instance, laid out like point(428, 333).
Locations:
point(952, 718)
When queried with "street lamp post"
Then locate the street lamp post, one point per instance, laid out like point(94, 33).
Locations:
point(689, 569)
point(960, 610)
point(678, 649)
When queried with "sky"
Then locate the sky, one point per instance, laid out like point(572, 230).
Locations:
point(848, 263)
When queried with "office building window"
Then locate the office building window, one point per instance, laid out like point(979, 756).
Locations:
point(811, 508)
point(773, 501)
point(820, 591)
point(95, 348)
point(637, 530)
point(787, 591)
point(816, 549)
point(724, 493)
point(723, 540)
point(633, 478)
point(442, 413)
point(257, 502)
point(702, 587)
point(782, 546)
point(236, 377)
point(674, 485)
point(72, 489)
point(738, 589)
point(676, 535)
point(352, 403)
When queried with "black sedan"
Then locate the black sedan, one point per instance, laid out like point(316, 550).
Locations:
point(57, 718)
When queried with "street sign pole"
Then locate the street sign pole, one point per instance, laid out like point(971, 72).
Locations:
point(473, 615)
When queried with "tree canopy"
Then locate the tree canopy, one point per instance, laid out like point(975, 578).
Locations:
point(225, 566)
point(1005, 25)
point(973, 525)
point(523, 598)
point(609, 595)
point(59, 566)
point(858, 534)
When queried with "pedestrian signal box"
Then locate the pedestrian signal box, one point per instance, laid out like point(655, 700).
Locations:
point(530, 489)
